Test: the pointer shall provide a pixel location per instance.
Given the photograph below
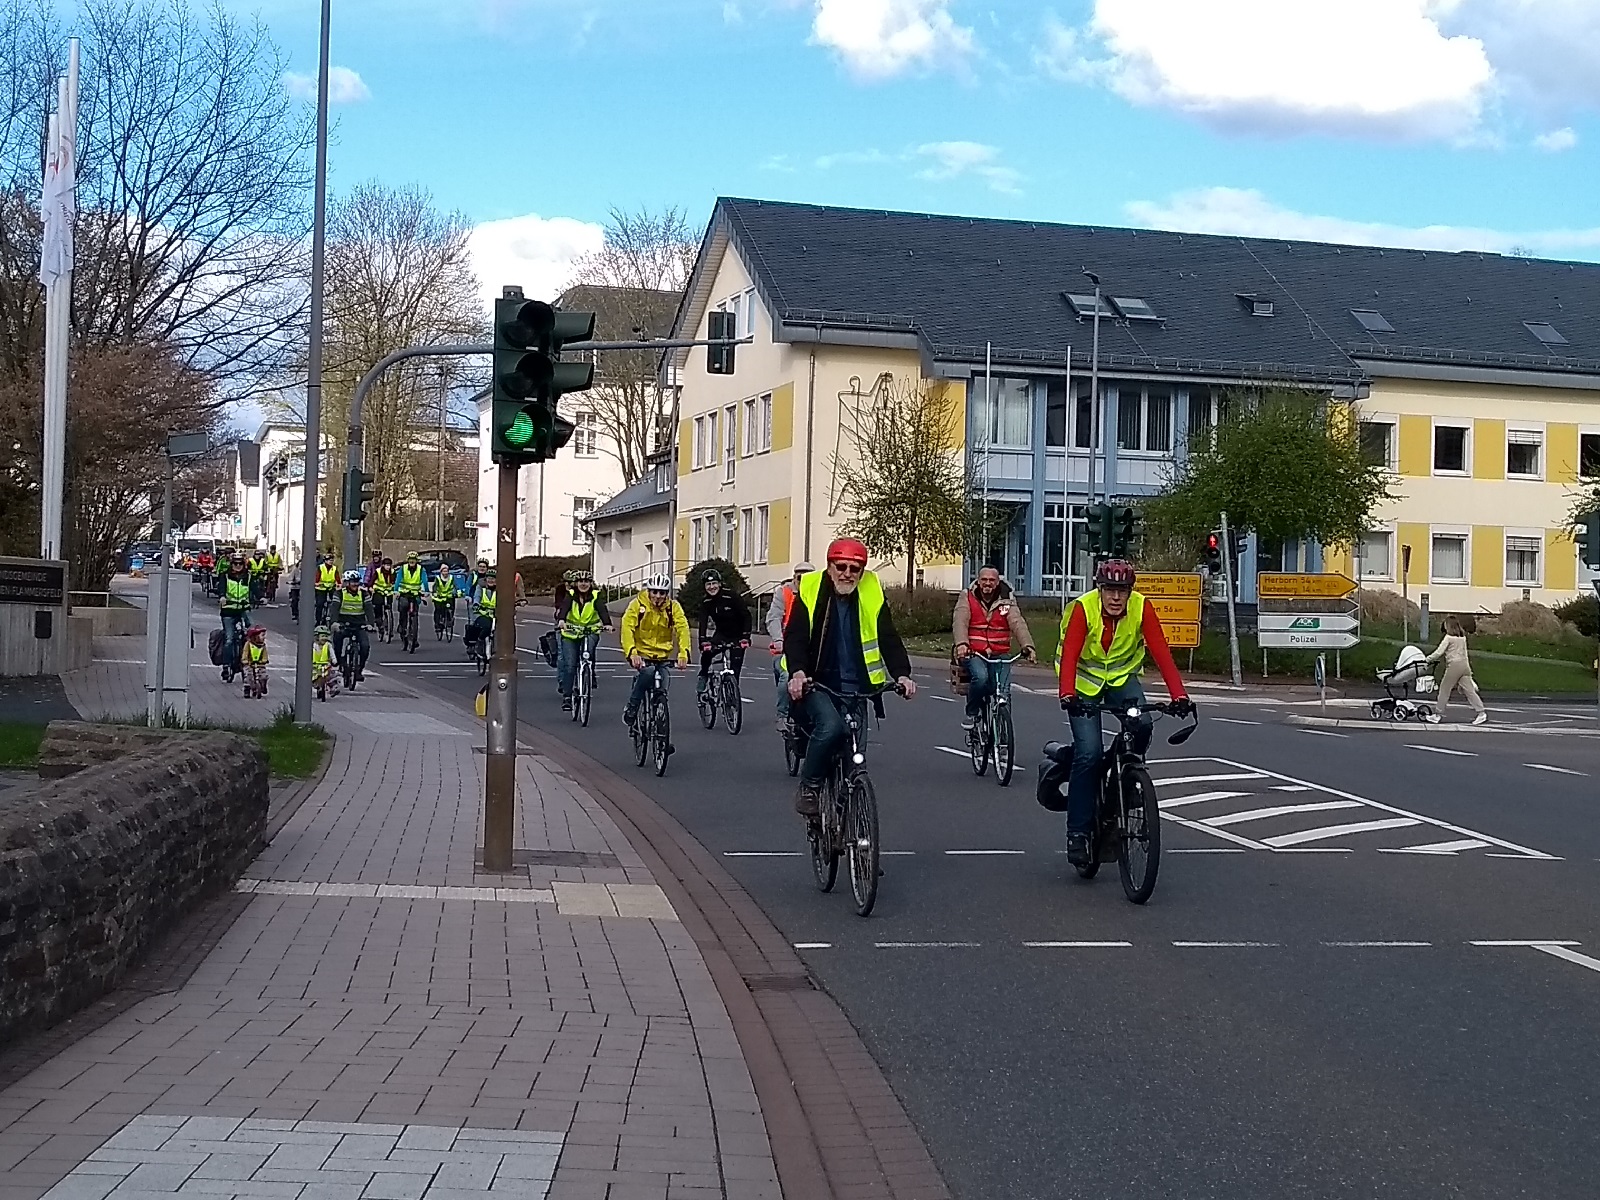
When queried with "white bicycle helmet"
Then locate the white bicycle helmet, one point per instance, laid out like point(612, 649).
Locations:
point(658, 583)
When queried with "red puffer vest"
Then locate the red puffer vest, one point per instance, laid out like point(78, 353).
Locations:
point(989, 630)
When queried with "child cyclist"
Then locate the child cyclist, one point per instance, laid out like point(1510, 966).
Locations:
point(323, 674)
point(255, 662)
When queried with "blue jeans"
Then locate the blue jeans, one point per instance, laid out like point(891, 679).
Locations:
point(782, 678)
point(642, 680)
point(567, 664)
point(986, 679)
point(1087, 749)
point(826, 723)
point(233, 627)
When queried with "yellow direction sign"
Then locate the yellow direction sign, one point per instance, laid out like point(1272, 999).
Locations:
point(1184, 584)
point(1300, 586)
point(1181, 635)
point(1175, 608)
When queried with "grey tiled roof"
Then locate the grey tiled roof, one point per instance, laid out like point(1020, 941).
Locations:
point(961, 282)
point(636, 497)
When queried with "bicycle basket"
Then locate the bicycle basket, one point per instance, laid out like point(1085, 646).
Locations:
point(960, 681)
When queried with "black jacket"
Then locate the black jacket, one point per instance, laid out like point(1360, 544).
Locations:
point(729, 613)
point(565, 603)
point(805, 648)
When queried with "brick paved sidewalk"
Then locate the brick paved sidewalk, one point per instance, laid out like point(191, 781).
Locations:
point(383, 1021)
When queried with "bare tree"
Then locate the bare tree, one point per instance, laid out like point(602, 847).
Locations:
point(633, 284)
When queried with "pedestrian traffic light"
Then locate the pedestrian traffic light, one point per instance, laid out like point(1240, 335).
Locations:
point(1213, 558)
point(359, 489)
point(1125, 531)
point(720, 326)
point(1589, 541)
point(530, 378)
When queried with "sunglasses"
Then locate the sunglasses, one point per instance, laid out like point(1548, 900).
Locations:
point(847, 568)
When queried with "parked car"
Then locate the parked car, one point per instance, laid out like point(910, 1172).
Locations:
point(150, 552)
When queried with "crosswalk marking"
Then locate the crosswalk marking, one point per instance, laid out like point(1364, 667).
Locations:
point(1181, 780)
point(1290, 787)
point(1333, 831)
point(1199, 798)
point(1277, 810)
point(1553, 770)
point(1442, 750)
point(1438, 847)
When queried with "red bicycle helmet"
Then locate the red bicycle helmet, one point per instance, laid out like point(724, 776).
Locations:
point(1114, 572)
point(848, 550)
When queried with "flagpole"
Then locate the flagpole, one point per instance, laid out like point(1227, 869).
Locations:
point(57, 262)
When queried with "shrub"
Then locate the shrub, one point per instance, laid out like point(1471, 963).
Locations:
point(693, 592)
point(1383, 607)
point(1583, 613)
point(928, 610)
point(541, 575)
point(1523, 618)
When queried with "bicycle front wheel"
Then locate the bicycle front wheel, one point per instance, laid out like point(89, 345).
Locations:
point(978, 743)
point(641, 734)
point(1004, 745)
point(792, 757)
point(585, 692)
point(706, 700)
point(662, 739)
point(861, 832)
point(823, 834)
point(1139, 850)
point(732, 705)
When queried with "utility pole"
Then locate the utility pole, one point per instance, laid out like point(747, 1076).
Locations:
point(500, 708)
point(1229, 591)
point(438, 512)
point(1098, 430)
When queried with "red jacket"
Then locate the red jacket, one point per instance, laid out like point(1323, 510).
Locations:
point(1155, 644)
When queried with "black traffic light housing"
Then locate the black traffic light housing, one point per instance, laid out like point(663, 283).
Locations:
point(1101, 527)
point(530, 378)
point(359, 489)
point(720, 326)
point(1125, 532)
point(1213, 559)
point(1589, 541)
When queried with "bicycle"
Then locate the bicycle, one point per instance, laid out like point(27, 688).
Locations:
point(233, 626)
point(721, 693)
point(1127, 814)
point(992, 739)
point(583, 679)
point(383, 611)
point(444, 620)
point(482, 651)
point(652, 724)
point(349, 655)
point(408, 625)
point(324, 680)
point(255, 681)
point(848, 817)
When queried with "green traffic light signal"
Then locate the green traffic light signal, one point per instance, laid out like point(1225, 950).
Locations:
point(520, 432)
point(530, 378)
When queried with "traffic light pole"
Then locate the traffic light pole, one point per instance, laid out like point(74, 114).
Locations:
point(1229, 590)
point(500, 706)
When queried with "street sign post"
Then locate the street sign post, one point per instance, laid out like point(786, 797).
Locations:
point(1279, 585)
point(1176, 597)
point(1288, 622)
point(1176, 609)
point(1312, 639)
point(1182, 635)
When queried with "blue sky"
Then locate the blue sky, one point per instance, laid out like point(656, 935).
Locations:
point(1448, 123)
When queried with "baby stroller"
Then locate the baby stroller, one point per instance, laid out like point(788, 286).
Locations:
point(1408, 679)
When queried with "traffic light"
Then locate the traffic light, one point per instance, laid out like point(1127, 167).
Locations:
point(1125, 531)
point(1101, 527)
point(720, 326)
point(1589, 541)
point(1213, 558)
point(359, 488)
point(530, 378)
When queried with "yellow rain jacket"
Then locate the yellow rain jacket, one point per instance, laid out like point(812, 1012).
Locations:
point(650, 632)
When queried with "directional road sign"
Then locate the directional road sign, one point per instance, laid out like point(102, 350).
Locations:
point(1271, 585)
point(1307, 622)
point(1180, 584)
point(1181, 635)
point(1311, 639)
point(1173, 609)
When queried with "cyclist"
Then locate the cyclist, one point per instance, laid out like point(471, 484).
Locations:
point(652, 627)
point(255, 655)
point(725, 618)
point(842, 634)
point(443, 593)
point(986, 619)
point(352, 612)
point(257, 563)
point(583, 617)
point(322, 673)
point(327, 582)
point(475, 580)
point(777, 617)
point(369, 574)
point(1105, 634)
point(483, 609)
point(383, 588)
point(235, 608)
point(564, 591)
point(410, 581)
point(274, 572)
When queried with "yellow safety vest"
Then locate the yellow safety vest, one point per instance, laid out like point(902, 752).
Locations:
point(322, 654)
point(1100, 667)
point(409, 582)
point(486, 603)
point(257, 565)
point(580, 613)
point(327, 577)
point(869, 604)
point(257, 654)
point(444, 589)
point(274, 562)
point(383, 583)
point(236, 597)
point(352, 604)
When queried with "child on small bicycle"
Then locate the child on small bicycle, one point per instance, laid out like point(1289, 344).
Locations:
point(323, 674)
point(255, 662)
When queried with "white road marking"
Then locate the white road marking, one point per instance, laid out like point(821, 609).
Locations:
point(1207, 850)
point(1325, 733)
point(1199, 798)
point(945, 699)
point(813, 945)
point(952, 750)
point(1180, 780)
point(1441, 750)
point(1525, 942)
point(1554, 770)
point(1234, 721)
point(924, 945)
point(1221, 945)
point(896, 853)
point(1332, 831)
point(1363, 945)
point(1278, 810)
point(1571, 956)
point(1438, 847)
point(1290, 787)
point(1078, 945)
point(1312, 850)
point(1226, 835)
point(985, 851)
point(1540, 857)
point(761, 854)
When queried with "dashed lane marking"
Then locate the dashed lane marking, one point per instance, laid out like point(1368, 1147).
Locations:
point(1379, 945)
point(1525, 942)
point(1078, 945)
point(926, 945)
point(944, 699)
point(1333, 831)
point(985, 851)
point(1441, 750)
point(1234, 721)
point(761, 854)
point(813, 945)
point(1223, 945)
point(951, 750)
point(1554, 770)
point(1325, 733)
point(1206, 850)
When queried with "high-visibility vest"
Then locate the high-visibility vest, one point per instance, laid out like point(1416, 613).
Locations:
point(322, 654)
point(580, 613)
point(236, 595)
point(869, 604)
point(274, 562)
point(327, 577)
point(352, 604)
point(1099, 666)
point(444, 589)
point(257, 565)
point(486, 602)
point(382, 582)
point(412, 583)
point(255, 653)
point(988, 629)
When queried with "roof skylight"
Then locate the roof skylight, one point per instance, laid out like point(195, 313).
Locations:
point(1545, 332)
point(1084, 305)
point(1135, 309)
point(1372, 320)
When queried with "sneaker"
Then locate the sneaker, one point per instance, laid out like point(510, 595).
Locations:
point(969, 723)
point(566, 704)
point(807, 799)
point(1078, 849)
point(1433, 718)
point(628, 715)
point(1480, 718)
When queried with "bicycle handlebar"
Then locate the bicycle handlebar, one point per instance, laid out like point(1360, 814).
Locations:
point(1010, 659)
point(871, 693)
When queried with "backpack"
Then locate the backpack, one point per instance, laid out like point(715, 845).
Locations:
point(214, 646)
point(547, 647)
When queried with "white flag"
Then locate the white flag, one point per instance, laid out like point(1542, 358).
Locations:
point(59, 208)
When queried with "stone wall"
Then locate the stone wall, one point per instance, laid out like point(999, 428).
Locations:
point(95, 864)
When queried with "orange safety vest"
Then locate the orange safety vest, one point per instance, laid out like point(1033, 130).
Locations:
point(989, 630)
point(789, 597)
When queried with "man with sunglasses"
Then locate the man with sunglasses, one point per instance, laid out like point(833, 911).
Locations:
point(839, 633)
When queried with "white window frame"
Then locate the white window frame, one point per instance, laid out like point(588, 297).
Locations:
point(764, 521)
point(990, 410)
point(696, 539)
point(1387, 532)
point(1456, 532)
point(1466, 450)
point(730, 534)
point(1533, 535)
point(750, 426)
point(764, 411)
point(582, 506)
point(1537, 430)
point(586, 434)
point(1583, 432)
point(747, 526)
point(730, 437)
point(1392, 463)
point(748, 324)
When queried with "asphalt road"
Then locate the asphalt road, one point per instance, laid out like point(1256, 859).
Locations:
point(1306, 1008)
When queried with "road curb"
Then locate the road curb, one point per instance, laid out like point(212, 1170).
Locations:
point(836, 1128)
point(1420, 727)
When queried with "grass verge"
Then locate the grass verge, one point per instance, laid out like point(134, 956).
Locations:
point(19, 745)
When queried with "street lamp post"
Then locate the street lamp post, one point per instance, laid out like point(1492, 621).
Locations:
point(1098, 431)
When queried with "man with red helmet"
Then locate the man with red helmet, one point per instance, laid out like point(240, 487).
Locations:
point(1105, 635)
point(839, 633)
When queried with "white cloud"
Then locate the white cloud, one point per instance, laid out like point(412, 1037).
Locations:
point(1557, 140)
point(533, 252)
point(344, 86)
point(1347, 66)
point(1245, 212)
point(951, 160)
point(1546, 53)
point(878, 39)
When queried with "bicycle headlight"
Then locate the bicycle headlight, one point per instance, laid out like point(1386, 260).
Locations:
point(1134, 711)
point(858, 758)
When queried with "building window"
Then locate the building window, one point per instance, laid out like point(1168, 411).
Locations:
point(1085, 418)
point(764, 530)
point(1377, 443)
point(747, 528)
point(1589, 456)
point(764, 419)
point(585, 435)
point(582, 506)
point(1006, 410)
point(1449, 558)
point(1055, 413)
point(705, 441)
point(1524, 453)
point(1377, 554)
point(1144, 418)
point(1522, 561)
point(730, 424)
point(1450, 449)
point(730, 534)
point(697, 539)
point(603, 541)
